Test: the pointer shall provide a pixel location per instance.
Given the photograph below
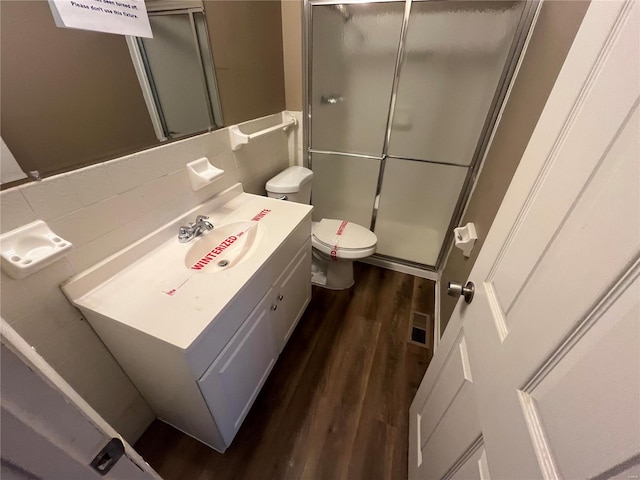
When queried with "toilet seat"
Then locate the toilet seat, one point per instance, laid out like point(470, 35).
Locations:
point(343, 239)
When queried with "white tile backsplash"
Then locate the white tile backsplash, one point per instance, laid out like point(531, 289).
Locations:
point(91, 184)
point(63, 345)
point(126, 173)
point(227, 162)
point(216, 142)
point(52, 197)
point(22, 297)
point(176, 155)
point(46, 321)
point(15, 210)
point(88, 254)
point(84, 225)
point(102, 209)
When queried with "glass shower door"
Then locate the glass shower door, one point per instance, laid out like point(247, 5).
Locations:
point(180, 73)
point(417, 201)
point(354, 50)
point(353, 57)
point(455, 55)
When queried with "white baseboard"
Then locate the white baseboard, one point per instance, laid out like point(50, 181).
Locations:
point(398, 267)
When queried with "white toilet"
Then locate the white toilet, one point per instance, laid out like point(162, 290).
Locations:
point(336, 243)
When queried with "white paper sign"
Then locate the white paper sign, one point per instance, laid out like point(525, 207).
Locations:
point(126, 17)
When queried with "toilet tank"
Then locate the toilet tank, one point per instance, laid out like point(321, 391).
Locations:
point(294, 183)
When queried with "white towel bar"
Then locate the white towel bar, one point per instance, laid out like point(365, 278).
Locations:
point(238, 138)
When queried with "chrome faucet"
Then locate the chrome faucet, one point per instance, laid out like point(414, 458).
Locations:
point(191, 231)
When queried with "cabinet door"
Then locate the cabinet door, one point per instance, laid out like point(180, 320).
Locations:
point(292, 294)
point(232, 382)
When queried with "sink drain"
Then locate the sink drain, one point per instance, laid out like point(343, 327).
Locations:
point(223, 263)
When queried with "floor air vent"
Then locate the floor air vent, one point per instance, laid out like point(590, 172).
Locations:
point(419, 329)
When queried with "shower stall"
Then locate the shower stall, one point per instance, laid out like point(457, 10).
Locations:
point(401, 99)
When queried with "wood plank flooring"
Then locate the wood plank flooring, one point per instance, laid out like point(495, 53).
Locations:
point(336, 404)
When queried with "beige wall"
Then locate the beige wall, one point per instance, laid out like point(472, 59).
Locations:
point(292, 52)
point(69, 97)
point(552, 37)
point(246, 43)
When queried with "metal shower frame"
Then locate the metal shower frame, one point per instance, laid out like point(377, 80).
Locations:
point(523, 30)
point(214, 109)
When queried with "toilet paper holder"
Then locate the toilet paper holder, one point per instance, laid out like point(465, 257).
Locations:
point(465, 238)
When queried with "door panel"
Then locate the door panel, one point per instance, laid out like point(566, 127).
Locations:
point(455, 383)
point(447, 424)
point(47, 433)
point(598, 375)
point(474, 467)
point(553, 332)
point(565, 181)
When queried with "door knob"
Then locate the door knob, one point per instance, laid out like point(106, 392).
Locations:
point(455, 289)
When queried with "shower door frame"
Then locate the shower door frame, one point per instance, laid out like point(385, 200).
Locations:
point(514, 58)
point(203, 50)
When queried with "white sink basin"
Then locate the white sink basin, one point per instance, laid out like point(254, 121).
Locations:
point(224, 247)
point(152, 285)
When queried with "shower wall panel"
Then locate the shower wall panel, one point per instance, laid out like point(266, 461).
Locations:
point(417, 201)
point(454, 57)
point(344, 187)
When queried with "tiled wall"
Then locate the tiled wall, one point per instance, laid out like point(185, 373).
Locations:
point(101, 209)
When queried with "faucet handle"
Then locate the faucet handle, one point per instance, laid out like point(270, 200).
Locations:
point(185, 234)
point(202, 220)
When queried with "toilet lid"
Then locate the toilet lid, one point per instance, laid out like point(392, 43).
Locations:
point(343, 234)
point(290, 180)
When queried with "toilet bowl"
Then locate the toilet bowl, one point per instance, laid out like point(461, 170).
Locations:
point(336, 243)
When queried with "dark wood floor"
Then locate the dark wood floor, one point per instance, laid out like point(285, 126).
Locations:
point(337, 401)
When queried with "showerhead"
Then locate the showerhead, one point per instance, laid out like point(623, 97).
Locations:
point(342, 9)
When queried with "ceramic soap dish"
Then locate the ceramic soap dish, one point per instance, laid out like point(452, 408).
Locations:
point(30, 248)
point(202, 173)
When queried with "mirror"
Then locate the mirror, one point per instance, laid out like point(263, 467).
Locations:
point(71, 98)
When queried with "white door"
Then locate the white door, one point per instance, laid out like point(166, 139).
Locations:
point(48, 431)
point(539, 376)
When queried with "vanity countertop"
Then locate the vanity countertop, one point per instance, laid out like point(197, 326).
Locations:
point(149, 287)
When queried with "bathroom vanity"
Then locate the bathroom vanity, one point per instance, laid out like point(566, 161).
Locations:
point(198, 326)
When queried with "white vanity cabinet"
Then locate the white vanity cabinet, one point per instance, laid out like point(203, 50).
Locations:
point(292, 292)
point(199, 350)
point(234, 379)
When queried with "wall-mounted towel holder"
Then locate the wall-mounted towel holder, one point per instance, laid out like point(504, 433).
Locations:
point(238, 139)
